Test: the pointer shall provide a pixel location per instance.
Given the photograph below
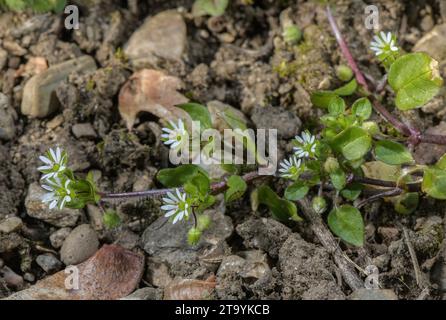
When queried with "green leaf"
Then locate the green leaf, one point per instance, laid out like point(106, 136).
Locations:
point(346, 222)
point(296, 191)
point(406, 203)
point(338, 179)
point(336, 106)
point(392, 153)
point(198, 113)
point(322, 99)
point(111, 219)
point(198, 186)
point(441, 163)
point(415, 79)
point(281, 209)
point(353, 143)
point(236, 188)
point(178, 176)
point(211, 7)
point(352, 191)
point(233, 120)
point(362, 108)
point(347, 89)
point(434, 183)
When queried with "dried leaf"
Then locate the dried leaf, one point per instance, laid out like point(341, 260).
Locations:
point(190, 289)
point(152, 91)
point(112, 273)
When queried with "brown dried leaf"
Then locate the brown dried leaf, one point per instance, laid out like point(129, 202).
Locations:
point(152, 91)
point(190, 289)
point(112, 273)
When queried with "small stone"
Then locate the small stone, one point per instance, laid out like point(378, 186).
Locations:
point(48, 263)
point(10, 241)
point(7, 119)
point(10, 224)
point(373, 294)
point(287, 123)
point(39, 99)
point(433, 43)
point(29, 277)
point(388, 234)
point(3, 58)
point(83, 130)
point(157, 273)
point(265, 234)
point(427, 153)
point(145, 294)
point(14, 48)
point(95, 217)
point(57, 238)
point(12, 279)
point(37, 209)
point(55, 122)
point(80, 245)
point(161, 36)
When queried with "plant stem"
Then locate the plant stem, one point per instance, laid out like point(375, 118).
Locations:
point(216, 188)
point(415, 137)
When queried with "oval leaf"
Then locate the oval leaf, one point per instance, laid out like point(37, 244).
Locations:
point(346, 222)
point(236, 188)
point(415, 79)
point(392, 153)
point(434, 183)
point(347, 89)
point(296, 191)
point(281, 209)
point(362, 108)
point(198, 113)
point(353, 143)
point(177, 177)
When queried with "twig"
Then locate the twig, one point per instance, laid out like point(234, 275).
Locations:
point(413, 257)
point(326, 238)
point(387, 193)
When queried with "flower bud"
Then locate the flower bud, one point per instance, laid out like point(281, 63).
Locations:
point(292, 34)
point(331, 165)
point(371, 127)
point(344, 73)
point(193, 236)
point(319, 205)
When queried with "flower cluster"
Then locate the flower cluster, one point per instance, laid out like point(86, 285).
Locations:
point(176, 205)
point(305, 148)
point(54, 180)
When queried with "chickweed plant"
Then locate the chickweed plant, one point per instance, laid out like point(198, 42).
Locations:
point(349, 161)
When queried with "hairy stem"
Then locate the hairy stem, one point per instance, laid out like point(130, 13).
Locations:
point(216, 188)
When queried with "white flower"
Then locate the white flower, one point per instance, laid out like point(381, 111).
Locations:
point(55, 162)
point(59, 193)
point(307, 145)
point(291, 168)
point(177, 205)
point(176, 136)
point(384, 43)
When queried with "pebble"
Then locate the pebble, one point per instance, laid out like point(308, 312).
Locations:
point(95, 217)
point(10, 225)
point(29, 277)
point(80, 245)
point(373, 294)
point(7, 118)
point(14, 48)
point(3, 58)
point(163, 36)
point(287, 123)
point(38, 94)
point(58, 237)
point(433, 43)
point(11, 278)
point(48, 263)
point(55, 122)
point(37, 209)
point(147, 293)
point(83, 130)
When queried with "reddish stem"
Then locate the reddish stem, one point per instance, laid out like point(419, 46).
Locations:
point(414, 134)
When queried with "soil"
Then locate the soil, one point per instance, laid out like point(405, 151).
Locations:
point(239, 59)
